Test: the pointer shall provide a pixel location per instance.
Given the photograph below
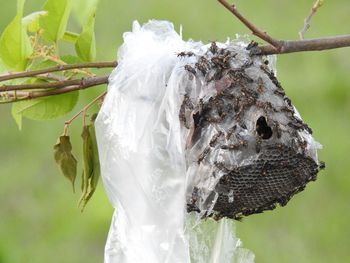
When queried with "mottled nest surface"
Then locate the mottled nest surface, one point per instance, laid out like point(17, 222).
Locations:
point(246, 136)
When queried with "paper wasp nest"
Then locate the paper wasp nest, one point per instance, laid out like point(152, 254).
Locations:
point(247, 148)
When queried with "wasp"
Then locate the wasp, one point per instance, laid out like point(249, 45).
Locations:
point(279, 92)
point(322, 165)
point(214, 119)
point(236, 146)
point(186, 105)
point(190, 69)
point(202, 65)
point(230, 131)
point(203, 155)
point(215, 138)
point(251, 93)
point(278, 130)
point(308, 129)
point(299, 124)
point(266, 106)
point(271, 76)
point(252, 45)
point(184, 54)
point(213, 48)
point(219, 61)
point(288, 101)
point(287, 109)
point(260, 87)
point(242, 107)
point(228, 56)
point(239, 76)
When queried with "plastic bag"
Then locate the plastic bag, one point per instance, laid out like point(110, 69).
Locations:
point(142, 149)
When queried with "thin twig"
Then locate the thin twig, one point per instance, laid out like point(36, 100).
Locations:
point(47, 85)
point(83, 110)
point(307, 20)
point(87, 83)
point(255, 31)
point(32, 73)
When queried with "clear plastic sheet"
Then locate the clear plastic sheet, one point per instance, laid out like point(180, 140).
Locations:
point(144, 161)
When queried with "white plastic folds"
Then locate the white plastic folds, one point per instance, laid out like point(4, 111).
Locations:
point(143, 162)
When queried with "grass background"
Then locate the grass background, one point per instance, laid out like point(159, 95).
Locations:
point(39, 219)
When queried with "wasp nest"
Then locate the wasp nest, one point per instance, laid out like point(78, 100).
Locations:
point(247, 147)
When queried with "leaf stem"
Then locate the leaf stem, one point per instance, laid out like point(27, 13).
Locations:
point(83, 110)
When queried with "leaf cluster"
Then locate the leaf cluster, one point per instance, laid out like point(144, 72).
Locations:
point(67, 163)
point(32, 42)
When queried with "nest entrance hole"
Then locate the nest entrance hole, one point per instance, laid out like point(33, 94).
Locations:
point(263, 129)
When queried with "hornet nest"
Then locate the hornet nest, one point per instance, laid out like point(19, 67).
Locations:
point(247, 147)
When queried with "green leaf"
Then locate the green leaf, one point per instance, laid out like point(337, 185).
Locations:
point(2, 67)
point(17, 117)
point(31, 22)
point(40, 63)
point(70, 59)
point(70, 37)
point(91, 164)
point(83, 14)
point(15, 46)
point(45, 108)
point(86, 43)
point(65, 159)
point(55, 23)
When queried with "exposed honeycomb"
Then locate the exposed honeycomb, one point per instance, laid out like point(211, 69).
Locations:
point(274, 178)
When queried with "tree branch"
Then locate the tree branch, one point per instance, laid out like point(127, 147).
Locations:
point(288, 46)
point(47, 85)
point(86, 83)
point(32, 73)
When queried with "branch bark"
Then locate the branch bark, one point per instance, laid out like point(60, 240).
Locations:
point(317, 44)
point(288, 46)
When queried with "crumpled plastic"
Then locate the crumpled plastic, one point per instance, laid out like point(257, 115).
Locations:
point(143, 162)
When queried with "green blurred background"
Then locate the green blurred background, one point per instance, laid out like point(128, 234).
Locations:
point(39, 219)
